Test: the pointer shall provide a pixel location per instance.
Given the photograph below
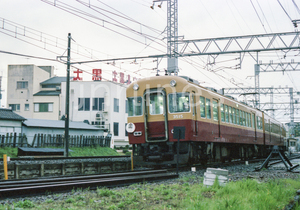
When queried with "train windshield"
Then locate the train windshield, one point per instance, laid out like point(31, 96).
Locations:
point(179, 102)
point(135, 106)
point(156, 103)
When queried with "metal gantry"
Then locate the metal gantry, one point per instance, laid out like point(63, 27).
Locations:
point(172, 34)
point(271, 67)
point(240, 44)
point(269, 106)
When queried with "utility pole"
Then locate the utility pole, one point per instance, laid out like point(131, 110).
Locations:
point(66, 153)
point(172, 34)
point(0, 90)
point(172, 31)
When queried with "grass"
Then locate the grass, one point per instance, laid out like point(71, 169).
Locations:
point(76, 151)
point(92, 151)
point(10, 152)
point(241, 195)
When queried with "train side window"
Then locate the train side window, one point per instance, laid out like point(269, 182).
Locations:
point(253, 121)
point(258, 119)
point(202, 106)
point(237, 117)
point(241, 117)
point(249, 120)
point(230, 114)
point(179, 102)
point(134, 106)
point(266, 126)
point(208, 109)
point(234, 116)
point(222, 113)
point(226, 114)
point(215, 110)
point(246, 119)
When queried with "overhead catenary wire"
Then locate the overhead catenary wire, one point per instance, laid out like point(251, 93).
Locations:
point(86, 16)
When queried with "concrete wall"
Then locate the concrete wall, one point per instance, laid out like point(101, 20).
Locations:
point(54, 115)
point(31, 73)
point(10, 126)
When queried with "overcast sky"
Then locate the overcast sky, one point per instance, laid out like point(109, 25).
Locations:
point(111, 28)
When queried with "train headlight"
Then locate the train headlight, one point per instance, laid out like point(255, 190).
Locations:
point(136, 87)
point(173, 83)
point(130, 127)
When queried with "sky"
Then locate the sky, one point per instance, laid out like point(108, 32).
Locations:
point(130, 28)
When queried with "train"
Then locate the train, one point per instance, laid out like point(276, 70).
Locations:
point(292, 145)
point(172, 119)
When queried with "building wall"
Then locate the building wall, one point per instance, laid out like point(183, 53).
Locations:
point(31, 131)
point(52, 115)
point(10, 126)
point(33, 75)
point(98, 89)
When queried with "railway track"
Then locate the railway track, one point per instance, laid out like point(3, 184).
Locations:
point(19, 188)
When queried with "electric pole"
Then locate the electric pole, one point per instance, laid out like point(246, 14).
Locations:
point(66, 153)
point(172, 34)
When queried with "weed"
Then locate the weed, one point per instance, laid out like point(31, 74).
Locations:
point(25, 204)
point(70, 200)
point(104, 192)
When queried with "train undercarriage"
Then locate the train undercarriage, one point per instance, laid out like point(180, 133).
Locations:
point(165, 153)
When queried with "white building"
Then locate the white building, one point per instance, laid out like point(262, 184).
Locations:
point(31, 127)
point(33, 92)
point(101, 103)
point(10, 122)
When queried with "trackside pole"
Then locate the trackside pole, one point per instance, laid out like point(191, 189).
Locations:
point(178, 133)
point(277, 152)
point(132, 160)
point(177, 165)
point(5, 167)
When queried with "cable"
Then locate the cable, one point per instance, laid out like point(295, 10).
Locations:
point(296, 6)
point(29, 56)
point(284, 10)
point(76, 12)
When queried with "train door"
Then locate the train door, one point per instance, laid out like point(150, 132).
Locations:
point(194, 117)
point(216, 118)
point(155, 121)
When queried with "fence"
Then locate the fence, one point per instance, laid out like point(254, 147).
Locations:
point(55, 140)
point(13, 140)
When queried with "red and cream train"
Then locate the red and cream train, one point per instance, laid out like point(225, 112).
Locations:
point(216, 127)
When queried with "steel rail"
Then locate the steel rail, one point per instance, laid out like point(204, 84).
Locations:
point(38, 187)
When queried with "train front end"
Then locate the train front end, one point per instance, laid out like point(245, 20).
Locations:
point(155, 106)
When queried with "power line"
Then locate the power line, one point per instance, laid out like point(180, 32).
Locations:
point(28, 56)
point(86, 16)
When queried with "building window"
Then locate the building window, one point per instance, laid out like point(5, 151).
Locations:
point(22, 84)
point(49, 86)
point(116, 105)
point(26, 107)
point(116, 129)
point(83, 104)
point(98, 104)
point(43, 107)
point(14, 107)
